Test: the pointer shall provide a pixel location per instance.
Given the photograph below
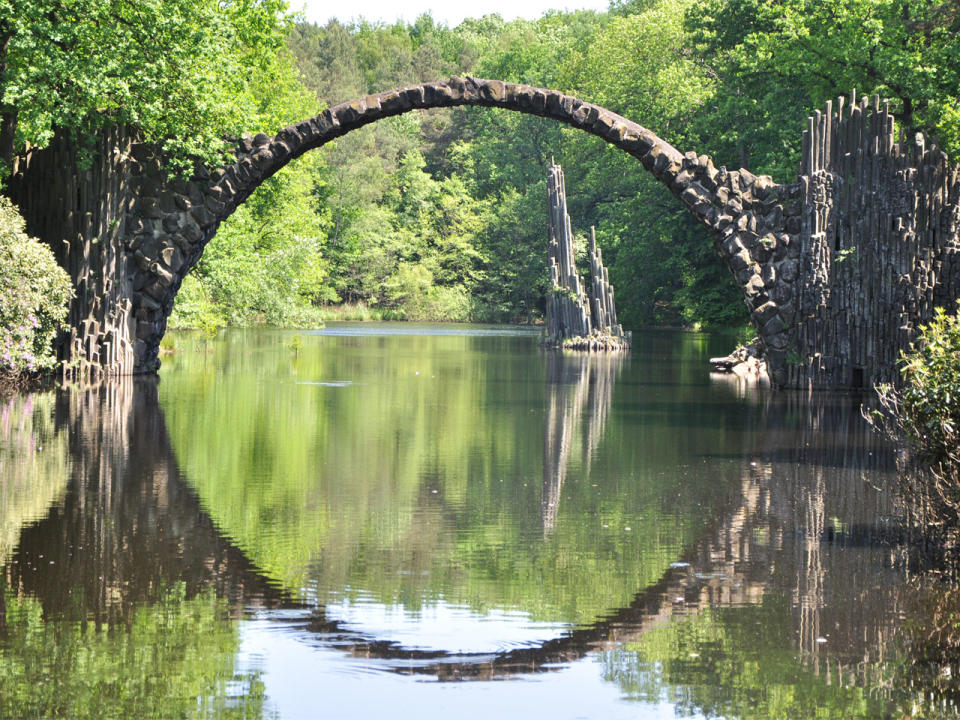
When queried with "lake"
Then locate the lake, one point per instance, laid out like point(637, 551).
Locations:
point(439, 521)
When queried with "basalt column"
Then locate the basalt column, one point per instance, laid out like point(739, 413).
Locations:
point(568, 315)
point(76, 200)
point(574, 319)
point(879, 245)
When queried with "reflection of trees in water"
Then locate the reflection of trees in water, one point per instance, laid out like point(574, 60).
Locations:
point(117, 601)
point(835, 560)
point(811, 543)
point(832, 512)
point(579, 395)
point(803, 580)
point(128, 527)
point(34, 464)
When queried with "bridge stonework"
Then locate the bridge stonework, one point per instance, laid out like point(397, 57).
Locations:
point(826, 315)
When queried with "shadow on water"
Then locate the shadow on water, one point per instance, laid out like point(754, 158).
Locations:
point(813, 535)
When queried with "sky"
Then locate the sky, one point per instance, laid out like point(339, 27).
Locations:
point(443, 11)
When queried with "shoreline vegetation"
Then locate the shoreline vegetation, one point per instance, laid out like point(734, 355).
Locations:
point(924, 413)
point(34, 293)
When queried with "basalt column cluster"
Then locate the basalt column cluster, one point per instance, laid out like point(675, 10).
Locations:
point(576, 320)
point(75, 201)
point(879, 246)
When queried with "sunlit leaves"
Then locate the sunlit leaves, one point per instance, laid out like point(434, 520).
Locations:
point(186, 72)
point(929, 403)
point(34, 294)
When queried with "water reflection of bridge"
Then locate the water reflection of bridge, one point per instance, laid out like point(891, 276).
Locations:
point(128, 528)
point(803, 522)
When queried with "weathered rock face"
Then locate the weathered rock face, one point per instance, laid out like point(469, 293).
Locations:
point(878, 245)
point(576, 320)
point(826, 315)
point(78, 209)
point(568, 314)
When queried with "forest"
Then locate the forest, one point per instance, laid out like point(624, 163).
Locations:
point(441, 214)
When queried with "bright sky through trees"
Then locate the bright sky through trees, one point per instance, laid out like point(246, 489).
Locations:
point(443, 11)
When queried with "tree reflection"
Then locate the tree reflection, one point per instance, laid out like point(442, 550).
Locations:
point(809, 587)
point(34, 464)
point(117, 600)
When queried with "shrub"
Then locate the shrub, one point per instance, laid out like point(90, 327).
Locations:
point(926, 410)
point(34, 295)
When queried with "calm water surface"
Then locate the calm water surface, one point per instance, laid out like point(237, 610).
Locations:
point(445, 521)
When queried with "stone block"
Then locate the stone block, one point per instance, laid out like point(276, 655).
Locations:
point(394, 103)
point(774, 328)
point(190, 230)
point(744, 179)
point(150, 208)
point(554, 104)
point(216, 207)
point(181, 242)
point(262, 158)
point(195, 193)
point(146, 329)
point(538, 102)
point(740, 260)
point(173, 258)
point(763, 313)
point(774, 220)
point(694, 194)
point(636, 142)
point(752, 286)
point(203, 216)
point(769, 275)
point(493, 91)
point(586, 115)
point(171, 223)
point(761, 253)
point(789, 269)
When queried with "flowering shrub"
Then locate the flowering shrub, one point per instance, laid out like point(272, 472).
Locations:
point(34, 292)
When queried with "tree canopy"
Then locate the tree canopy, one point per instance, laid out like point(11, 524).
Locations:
point(189, 73)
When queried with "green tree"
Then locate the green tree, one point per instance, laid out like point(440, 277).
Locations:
point(790, 56)
point(34, 292)
point(185, 71)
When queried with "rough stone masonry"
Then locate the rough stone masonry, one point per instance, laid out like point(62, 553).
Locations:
point(837, 269)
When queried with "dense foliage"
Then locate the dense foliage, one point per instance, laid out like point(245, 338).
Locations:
point(926, 411)
point(732, 78)
point(34, 292)
point(175, 657)
point(418, 481)
point(188, 72)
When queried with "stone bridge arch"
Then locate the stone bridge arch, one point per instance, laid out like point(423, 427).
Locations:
point(172, 222)
point(837, 269)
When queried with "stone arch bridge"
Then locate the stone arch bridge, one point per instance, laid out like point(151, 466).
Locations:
point(837, 269)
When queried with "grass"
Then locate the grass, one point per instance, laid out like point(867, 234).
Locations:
point(356, 312)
